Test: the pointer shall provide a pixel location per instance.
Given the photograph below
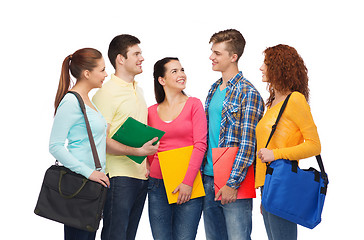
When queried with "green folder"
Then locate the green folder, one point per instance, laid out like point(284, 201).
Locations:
point(134, 134)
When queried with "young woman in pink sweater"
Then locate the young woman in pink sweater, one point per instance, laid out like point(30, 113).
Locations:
point(184, 121)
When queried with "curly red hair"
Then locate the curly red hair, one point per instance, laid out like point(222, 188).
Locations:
point(286, 71)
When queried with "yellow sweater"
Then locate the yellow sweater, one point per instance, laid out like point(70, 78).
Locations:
point(296, 136)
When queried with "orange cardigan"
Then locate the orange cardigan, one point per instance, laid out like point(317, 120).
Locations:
point(296, 136)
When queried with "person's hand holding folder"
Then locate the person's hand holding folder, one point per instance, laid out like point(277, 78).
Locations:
point(116, 148)
point(135, 140)
point(185, 192)
point(223, 160)
point(174, 164)
point(228, 195)
point(149, 148)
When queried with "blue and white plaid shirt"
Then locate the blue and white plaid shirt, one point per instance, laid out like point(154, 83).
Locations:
point(243, 107)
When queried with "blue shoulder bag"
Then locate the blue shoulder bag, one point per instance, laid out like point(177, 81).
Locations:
point(295, 194)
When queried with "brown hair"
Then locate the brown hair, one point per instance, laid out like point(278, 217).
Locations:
point(120, 45)
point(235, 42)
point(286, 71)
point(76, 63)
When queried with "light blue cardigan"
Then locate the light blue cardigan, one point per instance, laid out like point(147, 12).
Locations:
point(69, 142)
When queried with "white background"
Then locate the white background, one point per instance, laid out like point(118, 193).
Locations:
point(37, 35)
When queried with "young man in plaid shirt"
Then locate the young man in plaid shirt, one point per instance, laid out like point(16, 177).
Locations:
point(233, 108)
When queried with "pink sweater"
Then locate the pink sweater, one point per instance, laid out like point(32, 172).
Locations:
point(189, 128)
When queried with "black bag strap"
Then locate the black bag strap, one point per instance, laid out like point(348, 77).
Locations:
point(322, 169)
point(89, 132)
point(274, 127)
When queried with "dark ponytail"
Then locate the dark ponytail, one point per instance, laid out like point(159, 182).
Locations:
point(76, 63)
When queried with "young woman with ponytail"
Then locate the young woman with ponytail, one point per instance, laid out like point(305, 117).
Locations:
point(87, 66)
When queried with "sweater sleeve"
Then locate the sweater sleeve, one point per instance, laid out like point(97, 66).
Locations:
point(298, 111)
point(199, 128)
point(65, 118)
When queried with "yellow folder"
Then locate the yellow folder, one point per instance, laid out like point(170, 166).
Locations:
point(174, 165)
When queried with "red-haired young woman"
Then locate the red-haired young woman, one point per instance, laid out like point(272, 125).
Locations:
point(296, 135)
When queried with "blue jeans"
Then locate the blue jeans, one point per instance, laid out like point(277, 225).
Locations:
point(123, 208)
point(278, 228)
point(172, 221)
point(230, 221)
point(71, 233)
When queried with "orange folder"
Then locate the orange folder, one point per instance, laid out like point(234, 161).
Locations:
point(223, 160)
point(174, 164)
